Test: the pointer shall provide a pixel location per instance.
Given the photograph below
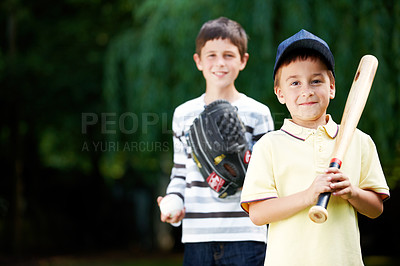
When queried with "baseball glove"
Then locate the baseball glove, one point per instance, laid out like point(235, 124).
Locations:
point(219, 147)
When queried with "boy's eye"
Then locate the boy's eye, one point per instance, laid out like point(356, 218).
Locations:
point(316, 81)
point(295, 83)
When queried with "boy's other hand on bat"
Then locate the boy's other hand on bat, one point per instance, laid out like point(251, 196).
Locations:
point(340, 184)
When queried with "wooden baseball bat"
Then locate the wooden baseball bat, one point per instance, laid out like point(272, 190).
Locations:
point(352, 112)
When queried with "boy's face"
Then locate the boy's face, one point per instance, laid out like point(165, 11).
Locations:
point(220, 63)
point(306, 88)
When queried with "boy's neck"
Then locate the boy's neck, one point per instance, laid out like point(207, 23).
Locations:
point(229, 94)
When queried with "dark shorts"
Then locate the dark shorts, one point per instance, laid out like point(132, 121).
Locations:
point(225, 253)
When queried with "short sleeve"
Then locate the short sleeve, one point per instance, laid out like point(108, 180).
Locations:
point(372, 176)
point(259, 182)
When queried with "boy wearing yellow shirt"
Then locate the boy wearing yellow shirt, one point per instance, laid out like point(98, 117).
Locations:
point(288, 168)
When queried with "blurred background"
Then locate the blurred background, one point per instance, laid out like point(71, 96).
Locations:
point(87, 93)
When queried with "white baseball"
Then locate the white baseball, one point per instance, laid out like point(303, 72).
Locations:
point(171, 205)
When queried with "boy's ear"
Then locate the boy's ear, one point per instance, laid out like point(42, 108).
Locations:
point(279, 94)
point(196, 58)
point(244, 60)
point(332, 90)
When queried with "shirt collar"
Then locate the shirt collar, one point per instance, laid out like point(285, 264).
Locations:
point(302, 133)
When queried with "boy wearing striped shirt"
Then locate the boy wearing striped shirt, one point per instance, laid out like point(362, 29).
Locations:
point(216, 230)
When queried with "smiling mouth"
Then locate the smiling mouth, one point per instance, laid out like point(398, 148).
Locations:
point(308, 103)
point(220, 73)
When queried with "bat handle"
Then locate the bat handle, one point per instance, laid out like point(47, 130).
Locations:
point(318, 213)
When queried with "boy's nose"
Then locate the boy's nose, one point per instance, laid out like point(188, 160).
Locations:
point(221, 61)
point(308, 92)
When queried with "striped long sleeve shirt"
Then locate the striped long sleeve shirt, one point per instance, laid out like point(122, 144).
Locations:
point(209, 218)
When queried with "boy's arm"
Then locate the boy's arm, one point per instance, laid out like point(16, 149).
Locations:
point(276, 209)
point(367, 202)
point(264, 124)
point(177, 182)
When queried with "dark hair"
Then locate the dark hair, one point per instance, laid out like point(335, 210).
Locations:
point(300, 54)
point(222, 28)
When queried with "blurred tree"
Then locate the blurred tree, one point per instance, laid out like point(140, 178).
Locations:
point(50, 73)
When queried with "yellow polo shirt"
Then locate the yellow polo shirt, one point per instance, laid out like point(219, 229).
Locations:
point(287, 161)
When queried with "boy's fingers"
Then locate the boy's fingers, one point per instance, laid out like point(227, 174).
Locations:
point(178, 217)
point(332, 170)
point(343, 183)
point(163, 218)
point(159, 199)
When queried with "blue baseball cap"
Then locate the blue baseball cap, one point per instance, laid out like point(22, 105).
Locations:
point(304, 40)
